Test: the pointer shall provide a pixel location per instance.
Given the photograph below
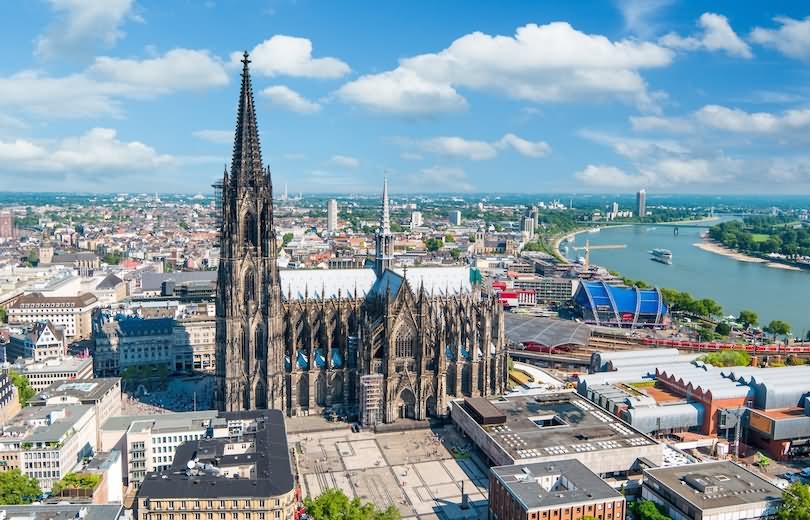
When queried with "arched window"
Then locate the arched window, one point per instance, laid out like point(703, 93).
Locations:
point(249, 288)
point(245, 346)
point(251, 230)
point(260, 344)
point(404, 344)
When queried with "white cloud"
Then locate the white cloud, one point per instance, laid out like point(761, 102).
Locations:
point(640, 15)
point(98, 90)
point(636, 148)
point(288, 98)
point(291, 56)
point(83, 24)
point(552, 62)
point(98, 150)
point(667, 124)
point(345, 161)
point(402, 91)
point(791, 39)
point(599, 175)
point(475, 150)
point(178, 69)
point(524, 147)
point(411, 156)
point(10, 122)
point(736, 120)
point(441, 178)
point(716, 35)
point(215, 136)
point(460, 147)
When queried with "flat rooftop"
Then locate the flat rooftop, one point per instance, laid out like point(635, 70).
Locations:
point(85, 390)
point(62, 511)
point(559, 423)
point(713, 485)
point(541, 485)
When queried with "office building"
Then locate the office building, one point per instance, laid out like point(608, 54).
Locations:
point(104, 395)
point(416, 219)
point(711, 491)
point(245, 476)
point(107, 489)
point(528, 227)
point(148, 442)
point(331, 216)
point(55, 440)
point(62, 512)
point(641, 203)
point(454, 217)
point(552, 490)
point(542, 428)
point(71, 313)
point(42, 374)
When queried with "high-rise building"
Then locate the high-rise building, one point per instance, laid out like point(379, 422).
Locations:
point(454, 218)
point(528, 226)
point(302, 340)
point(331, 216)
point(641, 203)
point(6, 224)
point(416, 219)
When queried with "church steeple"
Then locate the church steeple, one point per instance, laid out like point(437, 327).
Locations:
point(246, 164)
point(385, 217)
point(384, 240)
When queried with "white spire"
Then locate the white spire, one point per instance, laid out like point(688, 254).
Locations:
point(385, 218)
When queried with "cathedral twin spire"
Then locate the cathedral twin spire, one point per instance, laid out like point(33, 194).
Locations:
point(246, 165)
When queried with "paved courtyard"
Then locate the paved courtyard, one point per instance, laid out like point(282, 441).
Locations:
point(414, 471)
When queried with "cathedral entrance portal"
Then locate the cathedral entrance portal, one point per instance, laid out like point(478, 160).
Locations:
point(407, 405)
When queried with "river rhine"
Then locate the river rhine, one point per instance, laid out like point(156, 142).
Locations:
point(771, 293)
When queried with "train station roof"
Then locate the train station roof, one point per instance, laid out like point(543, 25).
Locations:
point(548, 332)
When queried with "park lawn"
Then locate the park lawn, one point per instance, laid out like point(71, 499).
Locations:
point(759, 237)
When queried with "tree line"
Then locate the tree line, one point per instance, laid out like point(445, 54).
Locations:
point(763, 235)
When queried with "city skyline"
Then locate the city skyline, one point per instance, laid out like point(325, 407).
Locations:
point(130, 96)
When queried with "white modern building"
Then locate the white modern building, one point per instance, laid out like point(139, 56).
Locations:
point(331, 216)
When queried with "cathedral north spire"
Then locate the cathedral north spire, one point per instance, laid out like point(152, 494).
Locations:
point(246, 164)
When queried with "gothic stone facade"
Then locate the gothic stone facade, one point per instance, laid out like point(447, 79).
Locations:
point(306, 355)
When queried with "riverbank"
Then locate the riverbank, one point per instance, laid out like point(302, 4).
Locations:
point(711, 246)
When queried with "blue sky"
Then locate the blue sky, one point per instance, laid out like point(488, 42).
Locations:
point(676, 97)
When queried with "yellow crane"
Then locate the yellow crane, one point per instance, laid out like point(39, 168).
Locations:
point(588, 248)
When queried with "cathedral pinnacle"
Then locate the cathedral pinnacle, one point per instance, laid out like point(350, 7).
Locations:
point(385, 217)
point(246, 164)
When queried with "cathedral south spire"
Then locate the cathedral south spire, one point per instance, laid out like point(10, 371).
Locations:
point(250, 352)
point(384, 240)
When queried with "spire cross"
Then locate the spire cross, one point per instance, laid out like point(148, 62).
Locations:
point(245, 59)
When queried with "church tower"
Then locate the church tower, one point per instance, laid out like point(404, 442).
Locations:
point(250, 351)
point(384, 240)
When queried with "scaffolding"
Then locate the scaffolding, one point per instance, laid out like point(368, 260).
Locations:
point(371, 412)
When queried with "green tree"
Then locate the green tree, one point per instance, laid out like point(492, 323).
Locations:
point(16, 488)
point(333, 504)
point(33, 258)
point(3, 314)
point(24, 390)
point(748, 318)
point(434, 244)
point(777, 328)
point(649, 510)
point(449, 239)
point(286, 239)
point(723, 328)
point(728, 358)
point(455, 253)
point(795, 502)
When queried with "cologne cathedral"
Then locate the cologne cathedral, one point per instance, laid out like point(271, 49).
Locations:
point(381, 344)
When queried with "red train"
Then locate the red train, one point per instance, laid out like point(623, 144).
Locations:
point(531, 346)
point(714, 346)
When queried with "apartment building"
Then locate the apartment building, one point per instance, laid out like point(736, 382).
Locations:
point(38, 341)
point(72, 313)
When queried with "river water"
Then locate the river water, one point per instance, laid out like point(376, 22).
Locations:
point(771, 293)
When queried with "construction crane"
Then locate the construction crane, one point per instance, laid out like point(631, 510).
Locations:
point(588, 248)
